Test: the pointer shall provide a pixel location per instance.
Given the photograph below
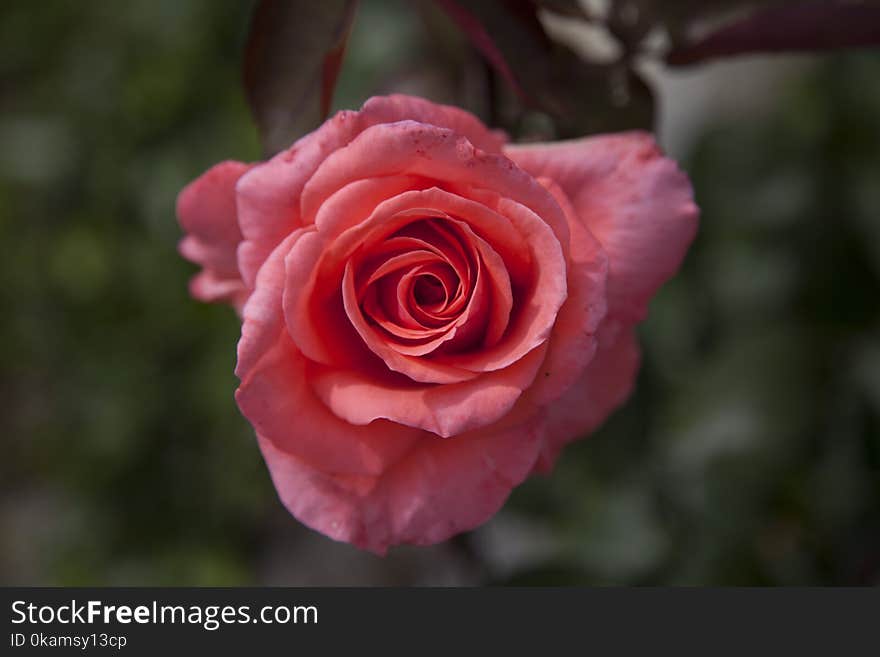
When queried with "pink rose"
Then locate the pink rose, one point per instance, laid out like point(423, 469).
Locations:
point(430, 315)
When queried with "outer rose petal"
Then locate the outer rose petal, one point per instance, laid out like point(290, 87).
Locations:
point(572, 344)
point(399, 107)
point(209, 286)
point(442, 487)
point(207, 213)
point(605, 384)
point(424, 150)
point(636, 202)
point(277, 399)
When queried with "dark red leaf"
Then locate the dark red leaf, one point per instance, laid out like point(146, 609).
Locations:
point(292, 59)
point(329, 73)
point(581, 97)
point(473, 28)
point(798, 27)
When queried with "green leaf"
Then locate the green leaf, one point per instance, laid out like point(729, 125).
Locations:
point(292, 58)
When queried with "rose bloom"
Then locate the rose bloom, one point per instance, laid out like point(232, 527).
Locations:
point(431, 314)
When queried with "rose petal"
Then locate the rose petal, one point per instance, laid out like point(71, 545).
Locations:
point(446, 410)
point(572, 344)
point(441, 487)
point(604, 385)
point(636, 202)
point(398, 322)
point(207, 213)
point(262, 317)
point(208, 286)
point(276, 398)
point(399, 107)
point(317, 320)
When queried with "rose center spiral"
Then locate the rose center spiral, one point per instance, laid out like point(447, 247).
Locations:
point(428, 290)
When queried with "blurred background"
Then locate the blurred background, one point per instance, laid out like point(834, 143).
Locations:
point(750, 453)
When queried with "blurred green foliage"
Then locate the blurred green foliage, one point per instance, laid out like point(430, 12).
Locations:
point(750, 453)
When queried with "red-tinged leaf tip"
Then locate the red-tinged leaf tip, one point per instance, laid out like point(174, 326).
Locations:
point(292, 59)
point(482, 41)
